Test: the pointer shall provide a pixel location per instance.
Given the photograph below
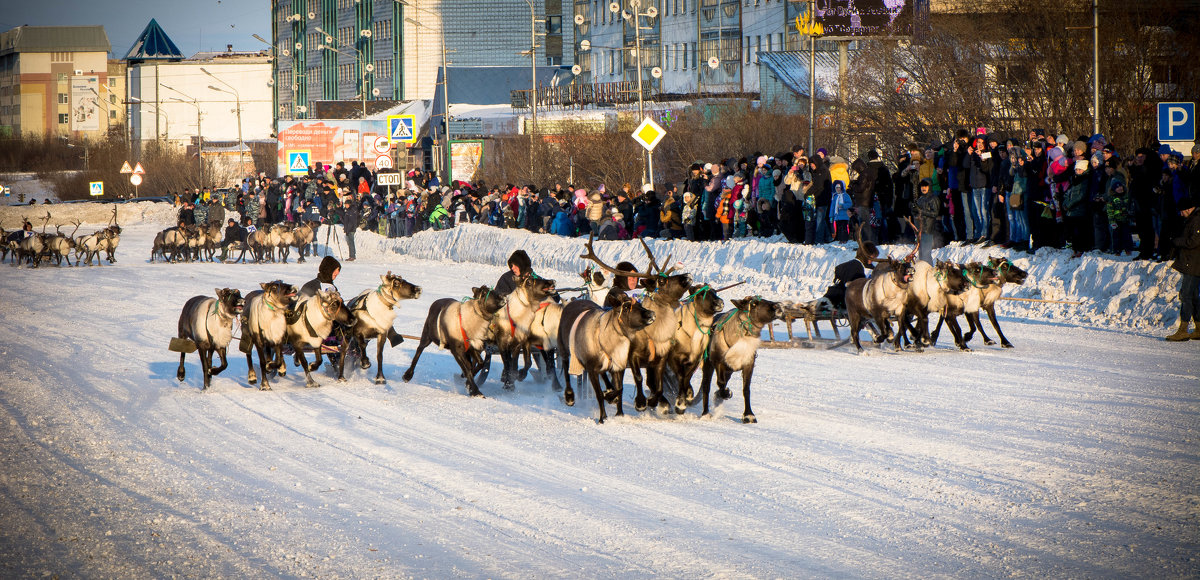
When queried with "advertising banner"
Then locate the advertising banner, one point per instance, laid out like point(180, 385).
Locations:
point(327, 141)
point(466, 157)
point(85, 111)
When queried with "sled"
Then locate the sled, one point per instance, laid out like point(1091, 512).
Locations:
point(182, 345)
point(820, 310)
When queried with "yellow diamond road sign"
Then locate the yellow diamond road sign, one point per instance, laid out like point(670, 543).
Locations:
point(649, 134)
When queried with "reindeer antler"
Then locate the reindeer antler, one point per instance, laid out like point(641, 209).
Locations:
point(77, 224)
point(654, 268)
point(591, 255)
point(917, 247)
point(45, 222)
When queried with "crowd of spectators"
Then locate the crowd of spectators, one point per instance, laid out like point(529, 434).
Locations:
point(1023, 193)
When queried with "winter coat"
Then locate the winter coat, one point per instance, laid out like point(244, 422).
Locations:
point(1188, 243)
point(1075, 201)
point(1117, 208)
point(595, 208)
point(822, 185)
point(216, 214)
point(978, 169)
point(200, 215)
point(562, 225)
point(840, 208)
point(928, 211)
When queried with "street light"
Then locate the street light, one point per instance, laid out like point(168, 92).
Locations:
point(275, 76)
point(533, 82)
point(238, 98)
point(445, 87)
point(199, 130)
point(157, 111)
point(634, 16)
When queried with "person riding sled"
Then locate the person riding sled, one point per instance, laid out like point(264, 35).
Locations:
point(849, 271)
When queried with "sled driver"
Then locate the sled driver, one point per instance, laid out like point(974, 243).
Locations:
point(25, 232)
point(847, 272)
point(327, 272)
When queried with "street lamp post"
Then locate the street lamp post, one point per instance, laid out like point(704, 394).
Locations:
point(238, 99)
point(445, 90)
point(635, 16)
point(533, 97)
point(199, 130)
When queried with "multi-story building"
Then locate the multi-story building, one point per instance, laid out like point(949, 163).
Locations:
point(392, 49)
point(54, 80)
point(224, 96)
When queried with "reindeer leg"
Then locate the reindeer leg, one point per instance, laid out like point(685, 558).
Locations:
point(251, 377)
point(262, 366)
point(224, 363)
point(747, 373)
point(568, 392)
point(549, 356)
point(343, 350)
point(465, 365)
point(379, 378)
point(970, 328)
point(991, 311)
point(592, 376)
point(425, 340)
point(706, 385)
point(180, 374)
point(937, 329)
point(723, 376)
point(527, 358)
point(654, 378)
point(977, 322)
point(279, 365)
point(509, 375)
point(956, 330)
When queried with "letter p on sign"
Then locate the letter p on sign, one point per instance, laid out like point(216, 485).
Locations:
point(1177, 122)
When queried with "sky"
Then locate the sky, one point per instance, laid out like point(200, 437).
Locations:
point(194, 25)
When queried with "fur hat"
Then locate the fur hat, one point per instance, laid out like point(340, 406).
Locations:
point(619, 282)
point(521, 260)
point(328, 266)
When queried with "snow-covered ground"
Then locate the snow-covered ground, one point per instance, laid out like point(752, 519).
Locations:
point(1073, 455)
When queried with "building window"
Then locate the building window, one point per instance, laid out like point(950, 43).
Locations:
point(112, 114)
point(554, 25)
point(63, 99)
point(62, 77)
point(63, 118)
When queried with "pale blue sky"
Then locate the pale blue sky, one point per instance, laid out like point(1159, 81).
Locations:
point(193, 25)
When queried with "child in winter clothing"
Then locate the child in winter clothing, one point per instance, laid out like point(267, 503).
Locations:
point(839, 211)
point(1118, 217)
point(739, 218)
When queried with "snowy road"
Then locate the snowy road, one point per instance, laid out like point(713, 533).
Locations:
point(1077, 454)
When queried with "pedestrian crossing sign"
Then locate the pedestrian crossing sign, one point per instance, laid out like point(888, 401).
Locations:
point(402, 129)
point(298, 161)
point(96, 188)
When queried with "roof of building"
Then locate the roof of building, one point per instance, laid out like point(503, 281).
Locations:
point(791, 68)
point(54, 39)
point(153, 44)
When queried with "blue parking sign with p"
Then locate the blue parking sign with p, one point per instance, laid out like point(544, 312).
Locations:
point(298, 161)
point(402, 129)
point(1177, 121)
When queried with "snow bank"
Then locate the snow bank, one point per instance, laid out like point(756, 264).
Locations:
point(1116, 293)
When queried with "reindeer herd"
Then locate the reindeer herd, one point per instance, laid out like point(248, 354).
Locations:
point(188, 243)
point(60, 247)
point(676, 328)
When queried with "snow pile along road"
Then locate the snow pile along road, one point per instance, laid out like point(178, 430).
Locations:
point(1073, 455)
point(1117, 293)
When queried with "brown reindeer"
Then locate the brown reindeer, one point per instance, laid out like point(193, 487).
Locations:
point(596, 342)
point(61, 246)
point(734, 348)
point(878, 298)
point(461, 328)
point(313, 322)
point(978, 276)
point(264, 328)
point(1006, 273)
point(512, 326)
point(373, 316)
point(206, 324)
point(692, 337)
point(927, 294)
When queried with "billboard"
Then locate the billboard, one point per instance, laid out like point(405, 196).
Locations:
point(847, 18)
point(328, 141)
point(85, 111)
point(466, 157)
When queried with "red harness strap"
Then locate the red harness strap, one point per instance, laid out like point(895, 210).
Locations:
point(512, 328)
point(463, 330)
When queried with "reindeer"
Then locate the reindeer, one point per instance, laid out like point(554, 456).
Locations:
point(172, 238)
point(543, 336)
point(651, 345)
point(282, 235)
point(511, 327)
point(29, 248)
point(302, 237)
point(373, 317)
point(206, 324)
point(210, 237)
point(967, 303)
point(692, 338)
point(597, 342)
point(261, 244)
point(110, 243)
point(461, 328)
point(264, 327)
point(60, 246)
point(734, 347)
point(312, 323)
point(927, 293)
point(1006, 272)
point(878, 298)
